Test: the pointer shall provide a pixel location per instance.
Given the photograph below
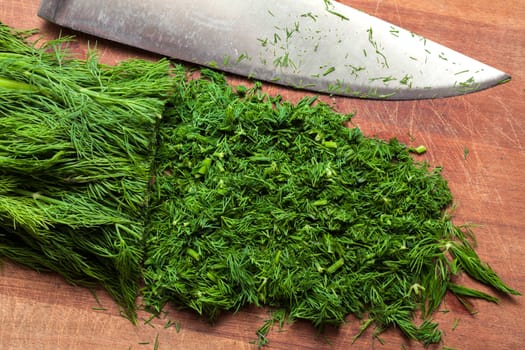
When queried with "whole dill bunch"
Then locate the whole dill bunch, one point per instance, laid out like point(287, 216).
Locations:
point(76, 145)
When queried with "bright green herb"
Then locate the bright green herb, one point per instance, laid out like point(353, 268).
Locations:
point(329, 7)
point(277, 316)
point(156, 344)
point(328, 71)
point(456, 324)
point(418, 149)
point(240, 198)
point(148, 320)
point(171, 323)
point(466, 152)
point(296, 211)
point(75, 155)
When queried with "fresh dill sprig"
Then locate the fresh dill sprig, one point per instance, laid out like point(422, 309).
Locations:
point(76, 146)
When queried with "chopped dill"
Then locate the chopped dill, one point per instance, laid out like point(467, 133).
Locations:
point(260, 201)
point(214, 198)
point(466, 152)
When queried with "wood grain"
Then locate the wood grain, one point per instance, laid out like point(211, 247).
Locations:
point(41, 311)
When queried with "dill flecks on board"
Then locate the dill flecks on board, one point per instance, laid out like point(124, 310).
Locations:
point(76, 146)
point(260, 201)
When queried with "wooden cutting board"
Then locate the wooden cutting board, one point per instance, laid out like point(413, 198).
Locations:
point(479, 139)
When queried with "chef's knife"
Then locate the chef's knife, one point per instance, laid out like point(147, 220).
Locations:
point(317, 45)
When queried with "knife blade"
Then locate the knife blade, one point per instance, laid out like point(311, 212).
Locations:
point(316, 45)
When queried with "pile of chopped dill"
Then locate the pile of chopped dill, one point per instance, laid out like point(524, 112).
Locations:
point(260, 201)
point(215, 197)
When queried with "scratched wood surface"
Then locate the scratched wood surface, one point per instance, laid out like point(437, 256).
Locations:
point(41, 311)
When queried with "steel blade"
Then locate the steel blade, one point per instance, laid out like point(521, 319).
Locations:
point(316, 45)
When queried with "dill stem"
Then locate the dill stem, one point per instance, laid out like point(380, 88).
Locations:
point(335, 266)
point(193, 254)
point(16, 85)
point(39, 196)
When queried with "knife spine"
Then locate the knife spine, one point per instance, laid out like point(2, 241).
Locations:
point(48, 9)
